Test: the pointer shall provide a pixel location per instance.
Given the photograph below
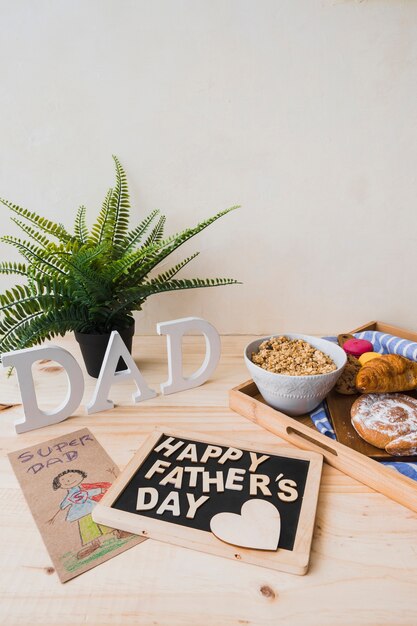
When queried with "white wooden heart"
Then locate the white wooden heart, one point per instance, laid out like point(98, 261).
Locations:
point(258, 526)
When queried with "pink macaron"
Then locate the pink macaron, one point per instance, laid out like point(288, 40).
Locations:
point(356, 347)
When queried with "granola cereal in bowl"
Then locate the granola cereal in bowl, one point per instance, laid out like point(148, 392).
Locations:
point(294, 372)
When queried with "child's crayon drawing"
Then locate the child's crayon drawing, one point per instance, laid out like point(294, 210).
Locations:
point(78, 503)
point(62, 480)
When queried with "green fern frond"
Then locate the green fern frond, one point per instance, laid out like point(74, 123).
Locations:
point(48, 227)
point(130, 242)
point(144, 291)
point(33, 254)
point(168, 246)
point(11, 329)
point(24, 303)
point(166, 276)
point(34, 234)
point(78, 265)
point(157, 232)
point(186, 283)
point(9, 267)
point(99, 227)
point(26, 330)
point(129, 263)
point(80, 226)
point(21, 297)
point(137, 295)
point(52, 323)
point(118, 220)
point(46, 298)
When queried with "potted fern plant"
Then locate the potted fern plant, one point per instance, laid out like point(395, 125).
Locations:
point(90, 281)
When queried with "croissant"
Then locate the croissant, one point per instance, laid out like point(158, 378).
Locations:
point(389, 373)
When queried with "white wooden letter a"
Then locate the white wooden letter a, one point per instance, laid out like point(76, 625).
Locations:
point(115, 349)
point(23, 360)
point(174, 330)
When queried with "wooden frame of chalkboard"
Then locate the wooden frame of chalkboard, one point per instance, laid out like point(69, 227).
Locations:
point(197, 485)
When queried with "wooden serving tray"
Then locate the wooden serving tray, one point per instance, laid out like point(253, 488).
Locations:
point(246, 400)
point(339, 406)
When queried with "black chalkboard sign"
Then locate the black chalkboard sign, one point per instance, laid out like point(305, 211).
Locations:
point(178, 488)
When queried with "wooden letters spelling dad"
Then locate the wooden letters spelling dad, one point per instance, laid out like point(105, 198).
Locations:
point(174, 330)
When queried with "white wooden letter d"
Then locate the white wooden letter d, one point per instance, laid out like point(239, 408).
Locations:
point(174, 330)
point(23, 360)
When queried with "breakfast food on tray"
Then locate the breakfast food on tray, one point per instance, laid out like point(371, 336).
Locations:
point(368, 356)
point(389, 373)
point(403, 446)
point(356, 347)
point(346, 382)
point(292, 357)
point(387, 421)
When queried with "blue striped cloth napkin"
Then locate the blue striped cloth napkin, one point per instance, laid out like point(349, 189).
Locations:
point(384, 344)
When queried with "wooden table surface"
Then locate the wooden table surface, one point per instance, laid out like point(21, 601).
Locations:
point(363, 567)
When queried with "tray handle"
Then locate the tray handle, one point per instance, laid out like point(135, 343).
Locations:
point(296, 436)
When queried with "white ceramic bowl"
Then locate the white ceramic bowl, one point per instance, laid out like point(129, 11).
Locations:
point(295, 395)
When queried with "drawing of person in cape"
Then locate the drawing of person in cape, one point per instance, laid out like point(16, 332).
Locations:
point(80, 500)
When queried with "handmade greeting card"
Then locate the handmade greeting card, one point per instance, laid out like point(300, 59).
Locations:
point(256, 506)
point(63, 479)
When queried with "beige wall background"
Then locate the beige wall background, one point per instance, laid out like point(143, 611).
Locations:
point(302, 111)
